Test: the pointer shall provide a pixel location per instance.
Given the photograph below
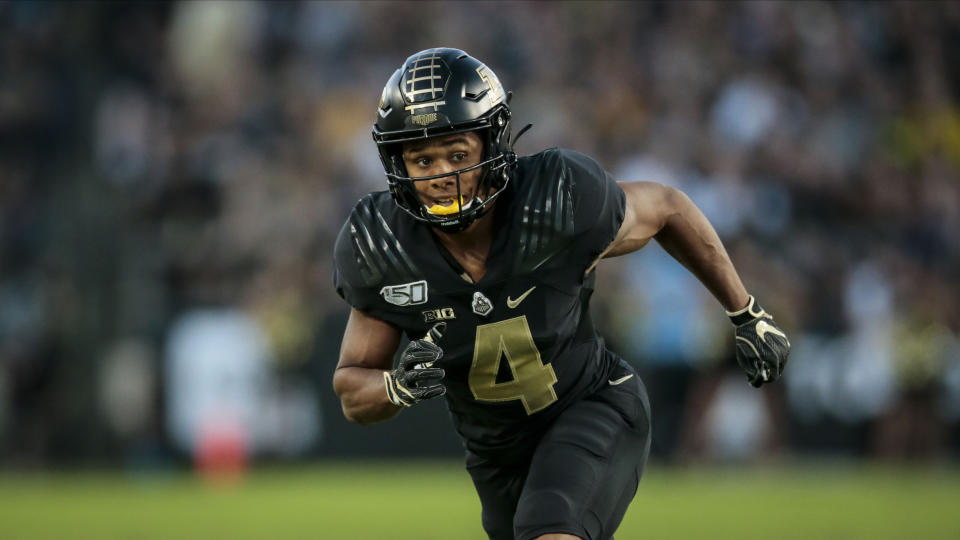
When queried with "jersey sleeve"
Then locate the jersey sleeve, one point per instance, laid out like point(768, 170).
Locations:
point(347, 276)
point(599, 204)
point(369, 259)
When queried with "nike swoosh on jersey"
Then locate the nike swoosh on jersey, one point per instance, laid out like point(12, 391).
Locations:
point(621, 380)
point(763, 327)
point(514, 303)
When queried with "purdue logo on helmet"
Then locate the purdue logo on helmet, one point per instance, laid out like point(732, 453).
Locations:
point(441, 92)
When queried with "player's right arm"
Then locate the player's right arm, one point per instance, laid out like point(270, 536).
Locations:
point(369, 390)
point(366, 353)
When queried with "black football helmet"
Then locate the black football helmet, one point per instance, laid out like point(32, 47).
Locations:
point(441, 92)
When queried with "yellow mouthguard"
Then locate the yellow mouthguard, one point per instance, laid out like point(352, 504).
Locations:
point(445, 210)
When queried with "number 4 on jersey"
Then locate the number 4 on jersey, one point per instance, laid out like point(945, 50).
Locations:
point(532, 381)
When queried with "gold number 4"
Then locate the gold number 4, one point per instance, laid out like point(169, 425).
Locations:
point(532, 381)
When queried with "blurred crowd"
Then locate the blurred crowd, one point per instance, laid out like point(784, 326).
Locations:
point(173, 175)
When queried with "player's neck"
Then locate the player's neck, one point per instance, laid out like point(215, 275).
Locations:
point(472, 246)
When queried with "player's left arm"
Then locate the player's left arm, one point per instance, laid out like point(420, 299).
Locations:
point(668, 215)
point(655, 211)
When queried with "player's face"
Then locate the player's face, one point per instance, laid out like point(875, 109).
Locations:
point(442, 155)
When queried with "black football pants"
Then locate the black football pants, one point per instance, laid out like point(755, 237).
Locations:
point(582, 474)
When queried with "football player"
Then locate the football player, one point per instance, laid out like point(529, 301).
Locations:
point(484, 260)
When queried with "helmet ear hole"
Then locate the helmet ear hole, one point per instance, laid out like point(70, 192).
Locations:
point(396, 157)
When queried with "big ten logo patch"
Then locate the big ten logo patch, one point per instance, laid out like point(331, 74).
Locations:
point(440, 314)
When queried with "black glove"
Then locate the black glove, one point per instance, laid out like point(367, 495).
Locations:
point(762, 347)
point(415, 379)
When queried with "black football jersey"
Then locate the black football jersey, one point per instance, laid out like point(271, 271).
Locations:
point(519, 345)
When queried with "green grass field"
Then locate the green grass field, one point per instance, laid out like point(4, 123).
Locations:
point(403, 500)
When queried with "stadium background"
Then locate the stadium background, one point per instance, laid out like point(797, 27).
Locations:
point(172, 177)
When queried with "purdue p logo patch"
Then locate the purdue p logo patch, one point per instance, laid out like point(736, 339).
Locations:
point(407, 294)
point(481, 304)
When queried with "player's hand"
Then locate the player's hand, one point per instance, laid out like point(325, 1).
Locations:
point(762, 347)
point(415, 379)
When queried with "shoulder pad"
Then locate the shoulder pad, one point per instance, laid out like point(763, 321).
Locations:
point(376, 250)
point(547, 219)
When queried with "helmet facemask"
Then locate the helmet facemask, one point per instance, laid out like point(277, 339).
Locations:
point(497, 163)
